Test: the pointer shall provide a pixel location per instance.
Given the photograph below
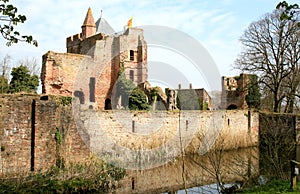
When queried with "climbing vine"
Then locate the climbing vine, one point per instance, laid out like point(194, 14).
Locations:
point(58, 137)
point(253, 96)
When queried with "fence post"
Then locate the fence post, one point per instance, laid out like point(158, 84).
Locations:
point(294, 173)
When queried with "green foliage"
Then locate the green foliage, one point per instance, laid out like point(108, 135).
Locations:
point(289, 11)
point(9, 19)
point(202, 105)
point(22, 81)
point(253, 96)
point(274, 186)
point(115, 172)
point(96, 177)
point(65, 100)
point(154, 93)
point(4, 86)
point(124, 85)
point(58, 137)
point(138, 100)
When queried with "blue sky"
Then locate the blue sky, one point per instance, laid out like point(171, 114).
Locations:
point(217, 25)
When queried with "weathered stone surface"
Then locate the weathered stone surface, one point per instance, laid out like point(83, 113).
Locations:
point(28, 126)
point(151, 130)
point(21, 114)
point(100, 58)
point(234, 91)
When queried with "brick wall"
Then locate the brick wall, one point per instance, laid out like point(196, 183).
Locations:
point(15, 134)
point(27, 136)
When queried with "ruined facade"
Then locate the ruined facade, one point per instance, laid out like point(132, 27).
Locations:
point(93, 62)
point(234, 91)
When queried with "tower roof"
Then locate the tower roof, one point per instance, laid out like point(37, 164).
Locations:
point(89, 19)
point(102, 26)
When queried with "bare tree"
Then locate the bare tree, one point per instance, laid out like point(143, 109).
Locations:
point(31, 64)
point(271, 50)
point(277, 145)
point(6, 66)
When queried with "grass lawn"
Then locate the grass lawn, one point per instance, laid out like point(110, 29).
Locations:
point(275, 186)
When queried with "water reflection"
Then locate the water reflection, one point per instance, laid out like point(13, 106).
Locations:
point(234, 166)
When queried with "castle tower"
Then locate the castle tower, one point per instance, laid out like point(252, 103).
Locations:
point(126, 49)
point(88, 27)
point(234, 91)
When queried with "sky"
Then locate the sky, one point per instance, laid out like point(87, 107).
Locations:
point(216, 25)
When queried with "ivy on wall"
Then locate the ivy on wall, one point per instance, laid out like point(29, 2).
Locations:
point(137, 99)
point(253, 96)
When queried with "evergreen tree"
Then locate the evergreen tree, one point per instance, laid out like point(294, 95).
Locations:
point(253, 96)
point(22, 81)
point(138, 100)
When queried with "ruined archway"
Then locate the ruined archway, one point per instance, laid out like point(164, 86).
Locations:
point(232, 107)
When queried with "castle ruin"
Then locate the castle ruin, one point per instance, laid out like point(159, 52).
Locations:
point(92, 48)
point(234, 91)
point(96, 57)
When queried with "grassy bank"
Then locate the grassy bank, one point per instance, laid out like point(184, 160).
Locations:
point(273, 187)
point(78, 178)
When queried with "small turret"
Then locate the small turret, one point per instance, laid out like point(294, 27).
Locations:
point(88, 27)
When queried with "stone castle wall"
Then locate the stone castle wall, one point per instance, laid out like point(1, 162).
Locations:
point(15, 133)
point(59, 71)
point(27, 137)
point(29, 124)
point(150, 130)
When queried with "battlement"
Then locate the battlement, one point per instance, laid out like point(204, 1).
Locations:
point(75, 37)
point(73, 43)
